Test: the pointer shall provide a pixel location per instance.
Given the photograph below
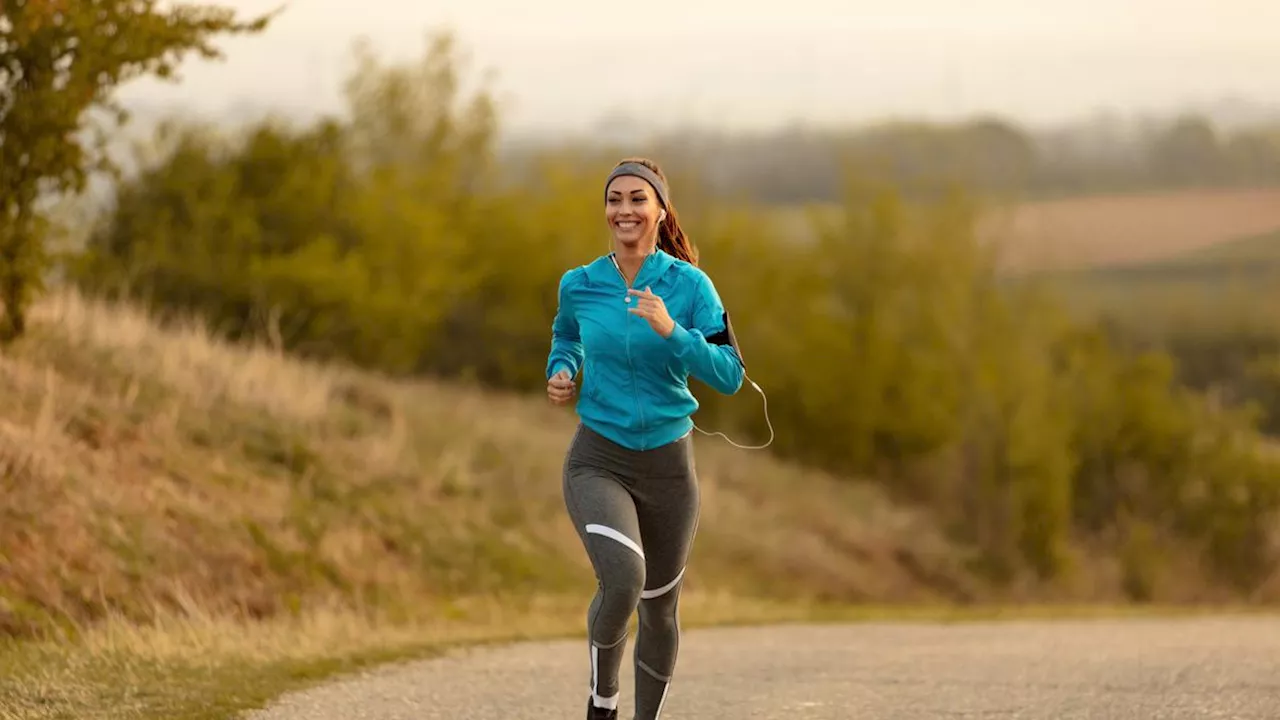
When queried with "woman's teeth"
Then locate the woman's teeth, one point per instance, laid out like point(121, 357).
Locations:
point(627, 225)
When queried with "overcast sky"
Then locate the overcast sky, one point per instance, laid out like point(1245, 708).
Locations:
point(563, 64)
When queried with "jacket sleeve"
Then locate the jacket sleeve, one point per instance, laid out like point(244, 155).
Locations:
point(709, 348)
point(566, 345)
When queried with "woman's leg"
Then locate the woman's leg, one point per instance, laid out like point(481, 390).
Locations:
point(667, 510)
point(604, 514)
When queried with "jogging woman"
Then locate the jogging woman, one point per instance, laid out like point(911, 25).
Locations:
point(637, 322)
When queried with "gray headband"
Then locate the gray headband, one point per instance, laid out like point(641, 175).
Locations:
point(642, 172)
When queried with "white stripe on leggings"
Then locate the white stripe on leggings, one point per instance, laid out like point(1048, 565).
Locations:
point(600, 702)
point(650, 594)
point(614, 534)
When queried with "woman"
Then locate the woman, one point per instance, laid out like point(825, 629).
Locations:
point(637, 322)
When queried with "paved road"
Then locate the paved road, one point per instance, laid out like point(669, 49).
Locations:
point(1197, 669)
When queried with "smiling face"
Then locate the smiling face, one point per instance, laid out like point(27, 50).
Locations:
point(632, 211)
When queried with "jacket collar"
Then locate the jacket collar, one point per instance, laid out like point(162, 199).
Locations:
point(602, 270)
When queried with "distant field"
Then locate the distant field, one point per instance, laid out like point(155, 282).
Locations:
point(1130, 229)
point(1220, 287)
point(1084, 232)
point(1209, 258)
point(1240, 259)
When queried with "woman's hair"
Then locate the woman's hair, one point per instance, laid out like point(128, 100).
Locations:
point(671, 237)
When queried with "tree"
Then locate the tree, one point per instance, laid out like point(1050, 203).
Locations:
point(60, 59)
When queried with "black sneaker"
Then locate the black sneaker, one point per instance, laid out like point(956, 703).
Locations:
point(599, 713)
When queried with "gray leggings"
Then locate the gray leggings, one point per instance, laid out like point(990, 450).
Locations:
point(636, 512)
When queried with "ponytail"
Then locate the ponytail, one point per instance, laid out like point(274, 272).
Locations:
point(673, 241)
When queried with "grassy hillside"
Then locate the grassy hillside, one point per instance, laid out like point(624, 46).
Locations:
point(156, 476)
point(191, 527)
point(143, 466)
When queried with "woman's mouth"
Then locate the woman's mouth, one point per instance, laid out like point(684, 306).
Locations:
point(627, 224)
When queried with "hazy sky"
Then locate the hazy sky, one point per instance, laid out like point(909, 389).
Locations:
point(563, 64)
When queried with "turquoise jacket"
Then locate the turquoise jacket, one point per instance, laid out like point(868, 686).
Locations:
point(635, 382)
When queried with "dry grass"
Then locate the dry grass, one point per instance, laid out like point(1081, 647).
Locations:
point(147, 460)
point(191, 528)
point(185, 518)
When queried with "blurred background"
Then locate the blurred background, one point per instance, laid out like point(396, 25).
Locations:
point(1006, 271)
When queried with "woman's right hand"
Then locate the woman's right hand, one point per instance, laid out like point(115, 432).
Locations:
point(560, 388)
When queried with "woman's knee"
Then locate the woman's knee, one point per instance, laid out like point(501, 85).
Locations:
point(623, 584)
point(619, 564)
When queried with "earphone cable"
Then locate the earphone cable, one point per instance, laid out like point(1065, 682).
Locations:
point(765, 399)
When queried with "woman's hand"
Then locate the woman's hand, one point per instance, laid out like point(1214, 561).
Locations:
point(560, 388)
point(651, 308)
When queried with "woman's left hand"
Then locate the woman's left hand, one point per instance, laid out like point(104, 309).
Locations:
point(651, 308)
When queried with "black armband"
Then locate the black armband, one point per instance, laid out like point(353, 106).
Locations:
point(726, 337)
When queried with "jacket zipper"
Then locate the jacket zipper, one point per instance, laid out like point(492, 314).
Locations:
point(627, 339)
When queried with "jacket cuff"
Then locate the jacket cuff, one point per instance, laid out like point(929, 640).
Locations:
point(680, 338)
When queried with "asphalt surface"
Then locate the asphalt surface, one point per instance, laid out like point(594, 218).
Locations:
point(1197, 669)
